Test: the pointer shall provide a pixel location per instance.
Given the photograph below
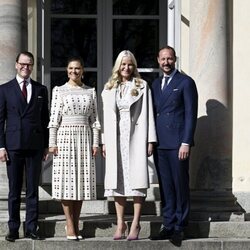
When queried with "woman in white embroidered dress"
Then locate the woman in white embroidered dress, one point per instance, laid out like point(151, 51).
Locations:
point(74, 139)
point(128, 137)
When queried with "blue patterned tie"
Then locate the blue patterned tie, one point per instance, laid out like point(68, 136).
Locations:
point(166, 78)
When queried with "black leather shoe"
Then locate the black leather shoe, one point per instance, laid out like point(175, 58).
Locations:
point(33, 236)
point(12, 236)
point(164, 234)
point(177, 238)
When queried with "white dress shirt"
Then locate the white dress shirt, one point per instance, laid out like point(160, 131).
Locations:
point(169, 76)
point(28, 86)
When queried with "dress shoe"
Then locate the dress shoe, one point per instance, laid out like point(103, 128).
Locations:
point(12, 236)
point(71, 237)
point(120, 233)
point(164, 234)
point(79, 237)
point(177, 238)
point(135, 235)
point(33, 236)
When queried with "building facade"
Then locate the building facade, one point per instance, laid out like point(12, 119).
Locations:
point(210, 38)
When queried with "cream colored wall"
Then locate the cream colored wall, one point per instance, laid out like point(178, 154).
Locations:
point(241, 97)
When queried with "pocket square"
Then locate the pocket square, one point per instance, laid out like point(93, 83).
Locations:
point(175, 89)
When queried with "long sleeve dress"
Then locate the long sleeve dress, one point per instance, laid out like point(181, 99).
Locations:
point(74, 129)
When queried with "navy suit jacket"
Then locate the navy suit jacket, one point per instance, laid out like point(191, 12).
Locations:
point(22, 125)
point(175, 111)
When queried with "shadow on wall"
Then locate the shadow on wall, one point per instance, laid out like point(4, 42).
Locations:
point(211, 166)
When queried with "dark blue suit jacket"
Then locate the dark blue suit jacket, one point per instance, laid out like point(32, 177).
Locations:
point(175, 111)
point(22, 125)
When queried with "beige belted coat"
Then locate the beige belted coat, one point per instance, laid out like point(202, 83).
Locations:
point(142, 131)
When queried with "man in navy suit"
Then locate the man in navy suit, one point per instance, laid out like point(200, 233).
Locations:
point(24, 118)
point(175, 101)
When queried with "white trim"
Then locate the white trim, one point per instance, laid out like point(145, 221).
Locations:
point(178, 32)
point(171, 23)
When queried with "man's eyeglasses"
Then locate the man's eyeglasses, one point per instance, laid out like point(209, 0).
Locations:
point(29, 65)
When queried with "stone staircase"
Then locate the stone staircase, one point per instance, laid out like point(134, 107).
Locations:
point(98, 224)
point(98, 230)
point(217, 222)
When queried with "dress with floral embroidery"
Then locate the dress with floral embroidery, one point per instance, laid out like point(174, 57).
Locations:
point(74, 129)
point(123, 102)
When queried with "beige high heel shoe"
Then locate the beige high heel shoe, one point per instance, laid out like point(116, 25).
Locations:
point(120, 234)
point(70, 237)
point(134, 236)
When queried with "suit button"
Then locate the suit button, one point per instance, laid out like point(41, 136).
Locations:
point(157, 114)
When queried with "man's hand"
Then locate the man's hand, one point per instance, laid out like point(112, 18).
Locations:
point(184, 152)
point(3, 155)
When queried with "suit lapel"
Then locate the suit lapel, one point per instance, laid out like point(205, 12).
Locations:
point(33, 94)
point(134, 98)
point(21, 103)
point(170, 89)
point(109, 96)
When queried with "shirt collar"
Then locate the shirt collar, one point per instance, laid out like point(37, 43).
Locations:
point(20, 79)
point(171, 75)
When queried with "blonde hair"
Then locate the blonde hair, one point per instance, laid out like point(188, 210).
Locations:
point(115, 78)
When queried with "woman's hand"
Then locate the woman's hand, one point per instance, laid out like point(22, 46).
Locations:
point(53, 150)
point(94, 151)
point(104, 150)
point(150, 148)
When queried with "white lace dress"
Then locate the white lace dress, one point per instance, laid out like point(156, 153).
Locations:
point(123, 104)
point(74, 129)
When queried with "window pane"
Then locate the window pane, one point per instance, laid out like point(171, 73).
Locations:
point(58, 78)
point(73, 6)
point(131, 35)
point(149, 77)
point(138, 7)
point(73, 37)
point(90, 79)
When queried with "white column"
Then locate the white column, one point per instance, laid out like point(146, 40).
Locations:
point(10, 44)
point(211, 162)
point(10, 36)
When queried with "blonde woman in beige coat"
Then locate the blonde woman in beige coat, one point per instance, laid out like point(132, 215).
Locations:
point(128, 138)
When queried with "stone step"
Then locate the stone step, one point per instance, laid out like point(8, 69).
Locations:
point(104, 226)
point(97, 243)
point(201, 212)
point(100, 243)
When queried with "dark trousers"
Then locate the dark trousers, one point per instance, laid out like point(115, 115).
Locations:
point(20, 161)
point(173, 176)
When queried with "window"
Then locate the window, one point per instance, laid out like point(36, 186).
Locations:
point(97, 30)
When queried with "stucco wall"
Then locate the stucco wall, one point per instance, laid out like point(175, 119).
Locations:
point(241, 102)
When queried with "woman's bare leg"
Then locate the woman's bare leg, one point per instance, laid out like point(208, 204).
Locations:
point(120, 203)
point(68, 211)
point(135, 226)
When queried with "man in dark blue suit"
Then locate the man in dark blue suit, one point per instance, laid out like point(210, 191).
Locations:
point(175, 101)
point(24, 118)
